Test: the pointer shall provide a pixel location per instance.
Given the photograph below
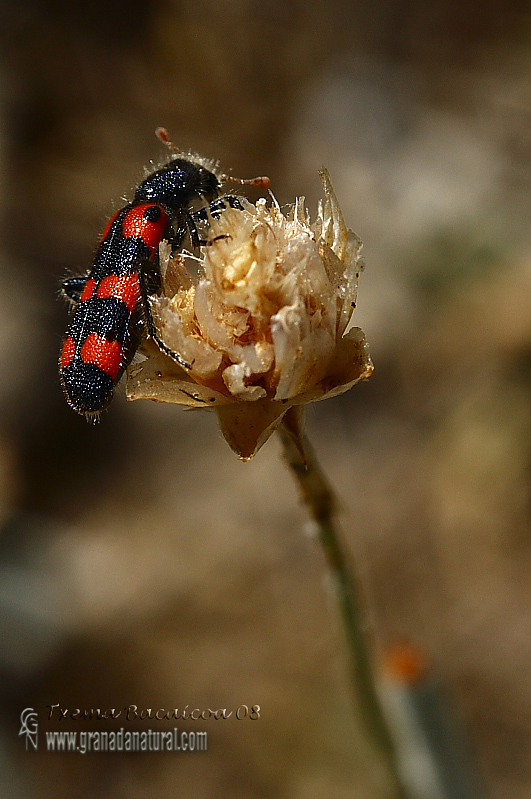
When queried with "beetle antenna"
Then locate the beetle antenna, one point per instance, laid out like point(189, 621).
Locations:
point(164, 136)
point(263, 181)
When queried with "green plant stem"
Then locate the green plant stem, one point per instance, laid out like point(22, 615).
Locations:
point(319, 498)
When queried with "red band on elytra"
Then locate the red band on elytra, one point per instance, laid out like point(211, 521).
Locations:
point(88, 291)
point(67, 355)
point(135, 225)
point(125, 288)
point(106, 355)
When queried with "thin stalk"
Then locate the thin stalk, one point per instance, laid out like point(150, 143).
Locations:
point(319, 498)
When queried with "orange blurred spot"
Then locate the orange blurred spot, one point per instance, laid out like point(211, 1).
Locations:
point(405, 663)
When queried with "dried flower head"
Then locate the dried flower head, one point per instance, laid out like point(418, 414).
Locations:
point(266, 324)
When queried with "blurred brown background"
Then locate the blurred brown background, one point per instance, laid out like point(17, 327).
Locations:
point(141, 562)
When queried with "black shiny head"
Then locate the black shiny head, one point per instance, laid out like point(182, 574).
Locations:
point(178, 183)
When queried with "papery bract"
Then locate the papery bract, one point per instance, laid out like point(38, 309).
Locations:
point(267, 323)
